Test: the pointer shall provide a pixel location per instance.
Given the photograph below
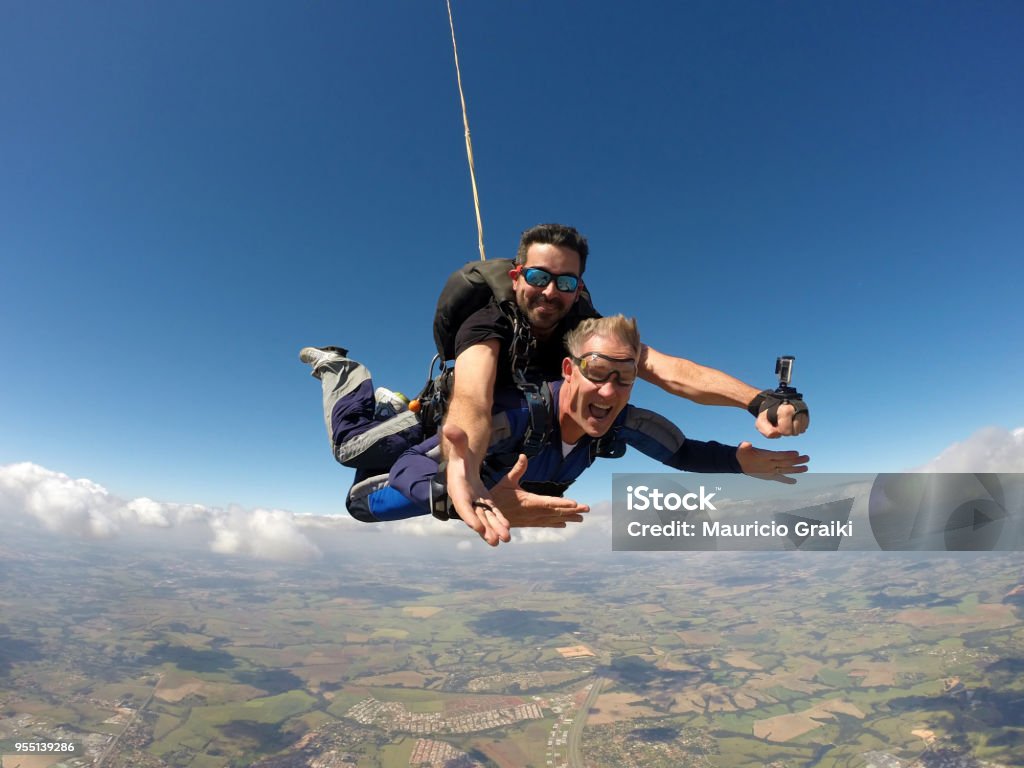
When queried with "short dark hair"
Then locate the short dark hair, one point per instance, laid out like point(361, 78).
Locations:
point(553, 234)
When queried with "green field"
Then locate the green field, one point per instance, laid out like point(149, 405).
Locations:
point(253, 659)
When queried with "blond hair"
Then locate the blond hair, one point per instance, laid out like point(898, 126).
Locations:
point(619, 326)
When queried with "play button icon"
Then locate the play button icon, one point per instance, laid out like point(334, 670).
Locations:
point(975, 526)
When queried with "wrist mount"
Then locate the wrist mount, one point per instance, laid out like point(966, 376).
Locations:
point(770, 400)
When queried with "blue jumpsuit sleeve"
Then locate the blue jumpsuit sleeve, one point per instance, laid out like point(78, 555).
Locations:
point(654, 435)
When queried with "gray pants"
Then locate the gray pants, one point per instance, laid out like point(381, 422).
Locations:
point(357, 439)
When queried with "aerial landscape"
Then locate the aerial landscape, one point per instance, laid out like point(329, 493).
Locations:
point(195, 192)
point(145, 657)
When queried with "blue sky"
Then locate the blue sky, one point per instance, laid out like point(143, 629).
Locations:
point(191, 192)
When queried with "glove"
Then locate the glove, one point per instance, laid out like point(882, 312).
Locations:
point(770, 400)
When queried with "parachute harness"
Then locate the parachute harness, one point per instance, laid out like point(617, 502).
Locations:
point(537, 398)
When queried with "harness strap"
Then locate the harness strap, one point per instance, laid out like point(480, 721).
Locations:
point(433, 399)
point(611, 445)
point(538, 398)
point(538, 403)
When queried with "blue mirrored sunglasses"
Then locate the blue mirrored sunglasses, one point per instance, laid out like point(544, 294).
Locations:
point(539, 278)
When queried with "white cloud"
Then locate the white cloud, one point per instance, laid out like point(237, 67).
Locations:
point(148, 512)
point(266, 533)
point(80, 507)
point(544, 535)
point(427, 525)
point(991, 449)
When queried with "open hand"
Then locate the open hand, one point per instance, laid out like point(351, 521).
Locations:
point(530, 510)
point(771, 465)
point(473, 502)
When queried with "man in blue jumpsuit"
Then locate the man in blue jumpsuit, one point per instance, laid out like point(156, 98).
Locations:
point(590, 418)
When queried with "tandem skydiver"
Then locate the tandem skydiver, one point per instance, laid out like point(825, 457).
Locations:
point(547, 286)
point(589, 418)
point(516, 339)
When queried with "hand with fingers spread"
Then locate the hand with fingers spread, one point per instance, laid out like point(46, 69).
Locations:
point(771, 465)
point(530, 510)
point(472, 501)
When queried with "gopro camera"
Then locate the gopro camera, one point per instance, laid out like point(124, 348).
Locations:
point(784, 369)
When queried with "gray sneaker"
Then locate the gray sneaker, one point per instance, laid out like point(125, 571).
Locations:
point(388, 403)
point(320, 356)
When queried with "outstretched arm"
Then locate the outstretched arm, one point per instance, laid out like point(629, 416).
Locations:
point(465, 438)
point(469, 409)
point(709, 386)
point(656, 436)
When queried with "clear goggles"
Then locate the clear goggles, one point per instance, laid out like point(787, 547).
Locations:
point(599, 368)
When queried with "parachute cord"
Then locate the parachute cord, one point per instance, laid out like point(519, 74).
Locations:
point(469, 143)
